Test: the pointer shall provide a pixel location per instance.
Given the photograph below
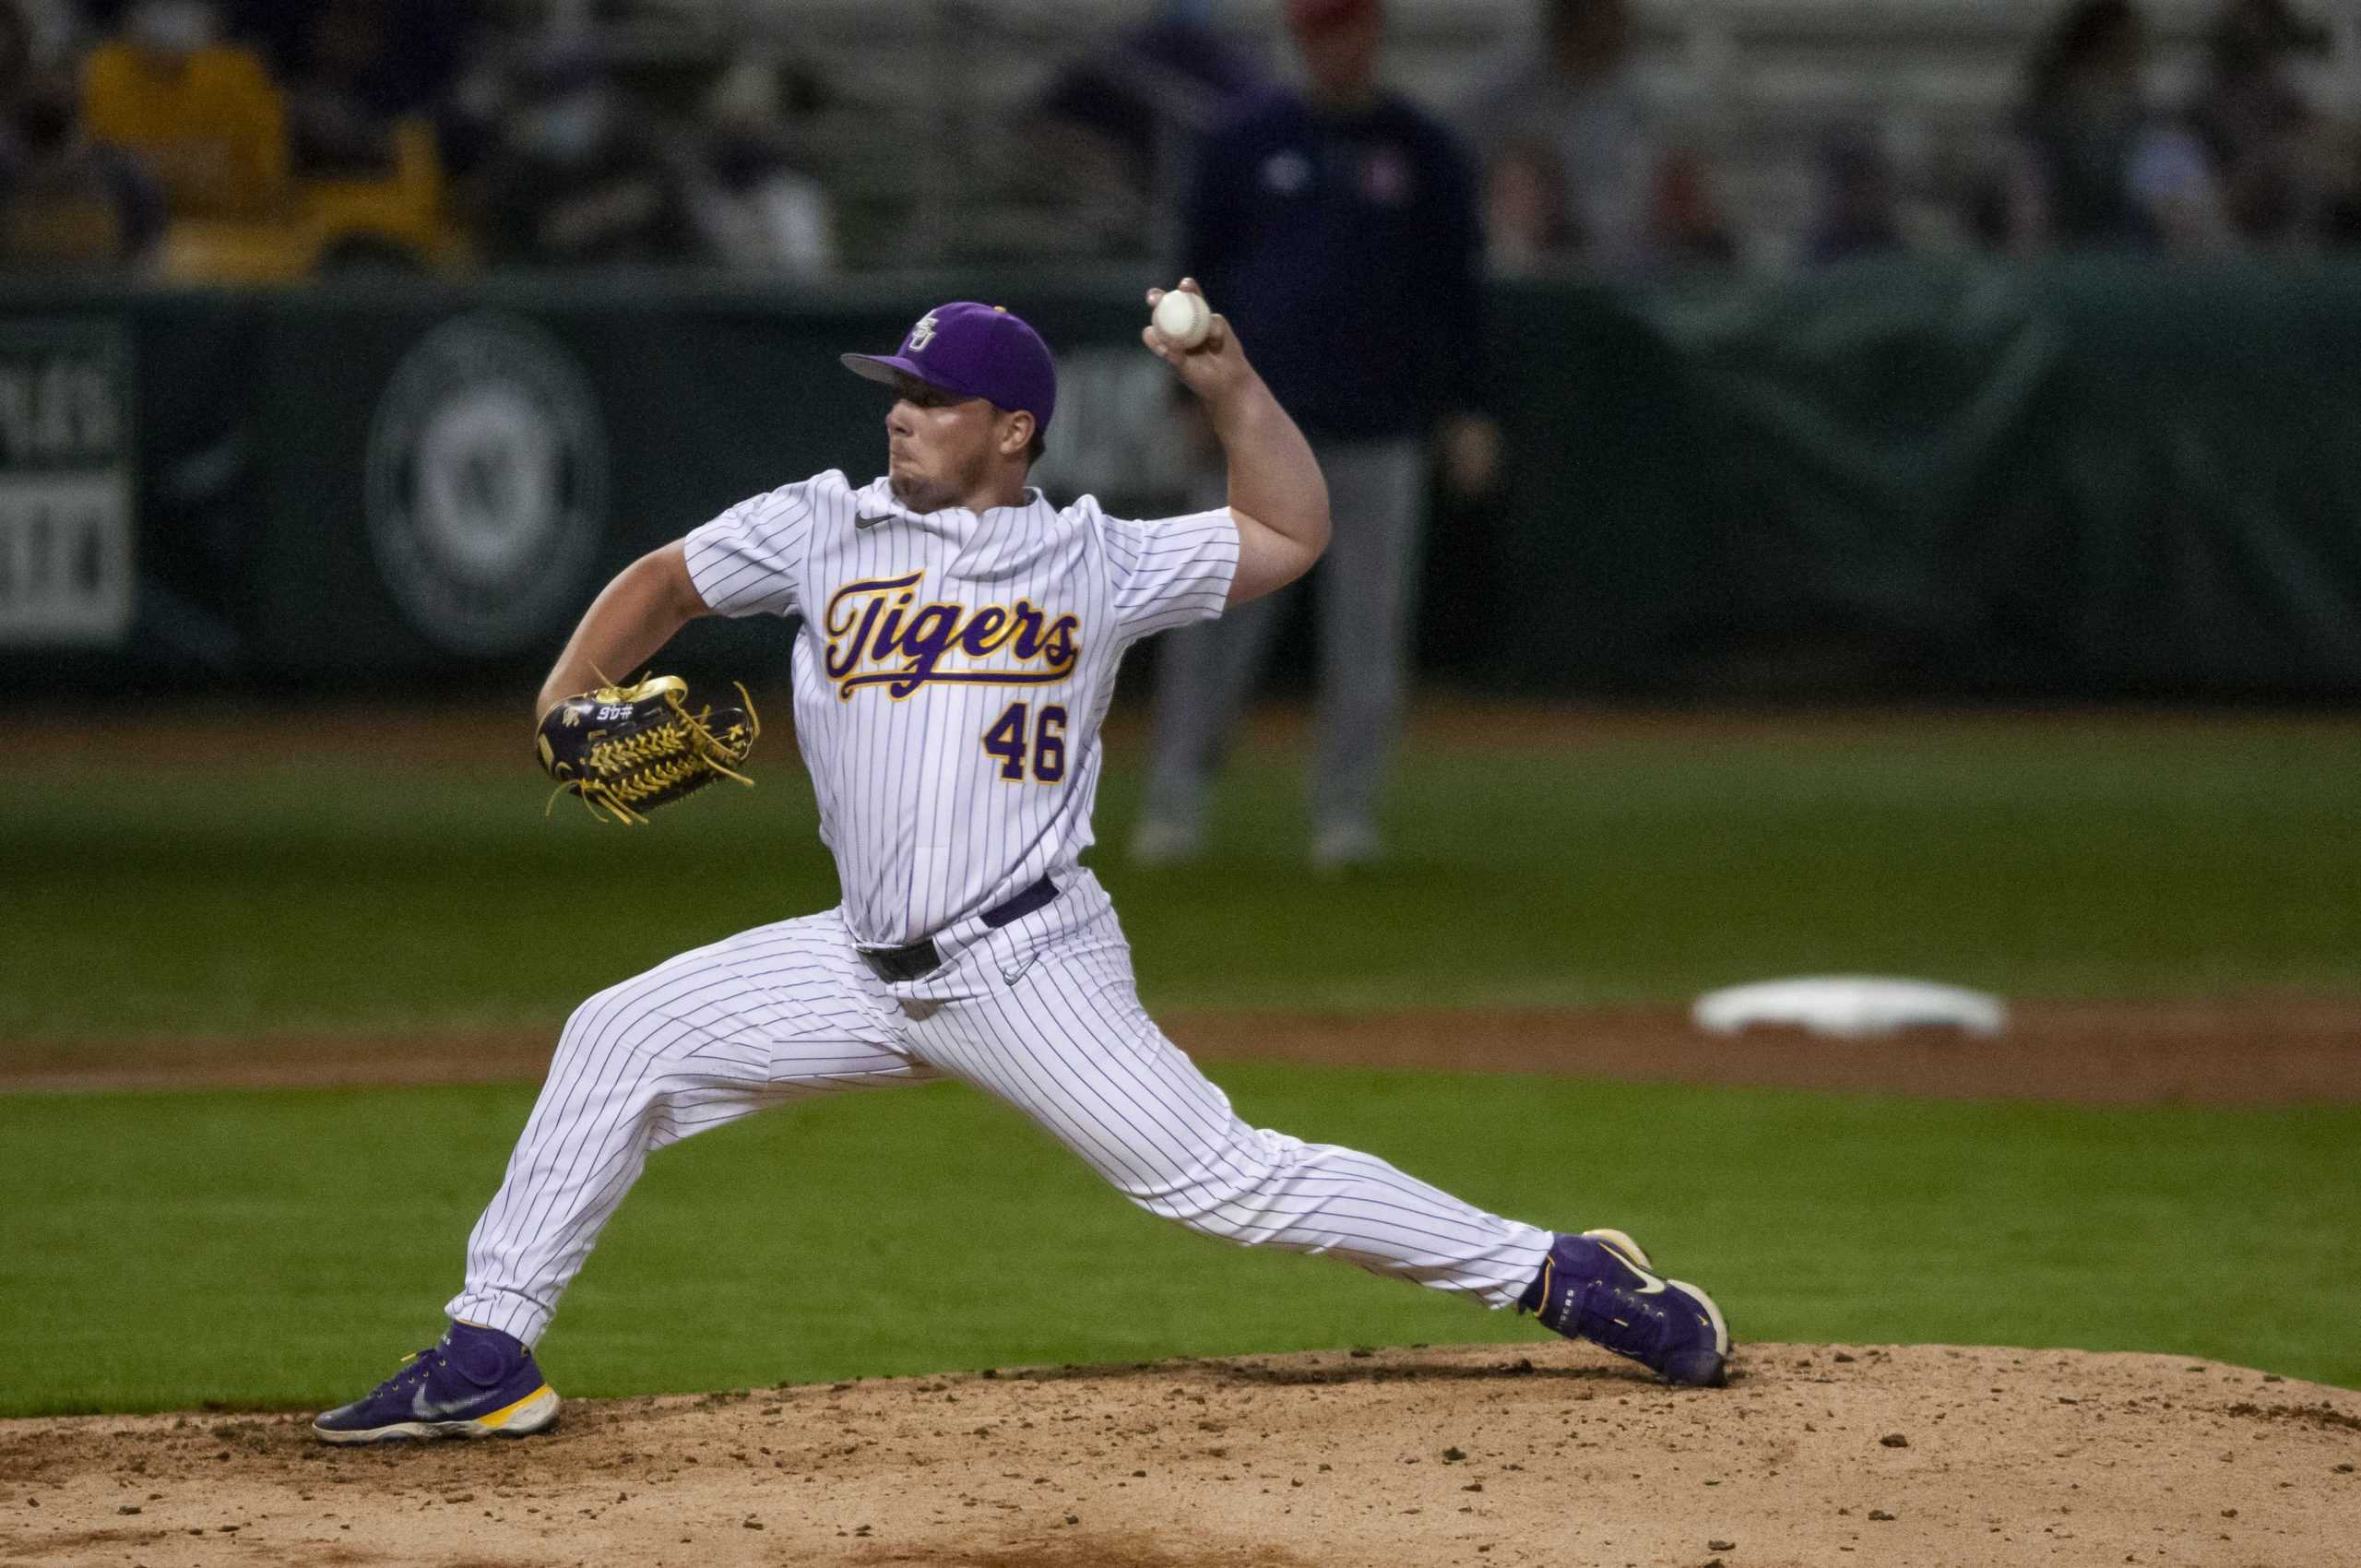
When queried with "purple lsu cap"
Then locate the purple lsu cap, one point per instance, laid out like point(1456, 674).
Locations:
point(977, 351)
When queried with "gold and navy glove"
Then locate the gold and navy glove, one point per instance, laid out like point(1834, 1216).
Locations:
point(627, 750)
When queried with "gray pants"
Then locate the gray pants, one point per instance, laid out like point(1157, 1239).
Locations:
point(1377, 492)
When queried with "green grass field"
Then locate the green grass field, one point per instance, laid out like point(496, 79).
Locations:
point(282, 1248)
point(2121, 862)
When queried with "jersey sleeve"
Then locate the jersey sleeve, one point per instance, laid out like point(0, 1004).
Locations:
point(1172, 571)
point(746, 561)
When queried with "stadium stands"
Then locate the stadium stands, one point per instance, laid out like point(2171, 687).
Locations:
point(917, 127)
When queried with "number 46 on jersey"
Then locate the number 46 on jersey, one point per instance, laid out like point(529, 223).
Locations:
point(1016, 740)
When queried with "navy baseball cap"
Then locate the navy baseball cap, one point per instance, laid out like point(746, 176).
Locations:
point(976, 351)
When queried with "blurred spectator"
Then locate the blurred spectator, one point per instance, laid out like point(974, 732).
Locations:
point(1685, 223)
point(67, 202)
point(1528, 223)
point(1580, 96)
point(755, 204)
point(2093, 164)
point(18, 73)
point(1119, 128)
point(1855, 209)
point(468, 119)
point(2266, 143)
point(2341, 203)
point(58, 30)
point(201, 115)
point(1336, 227)
point(354, 69)
point(577, 180)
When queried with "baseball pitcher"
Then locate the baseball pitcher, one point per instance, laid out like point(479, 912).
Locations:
point(959, 637)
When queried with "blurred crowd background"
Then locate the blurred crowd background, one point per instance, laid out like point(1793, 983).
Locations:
point(251, 141)
point(1793, 346)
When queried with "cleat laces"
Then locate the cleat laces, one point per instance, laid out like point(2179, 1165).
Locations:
point(415, 1369)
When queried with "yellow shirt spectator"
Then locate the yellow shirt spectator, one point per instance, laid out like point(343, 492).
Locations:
point(209, 125)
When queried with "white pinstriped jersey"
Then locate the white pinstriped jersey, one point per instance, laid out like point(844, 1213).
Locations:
point(950, 673)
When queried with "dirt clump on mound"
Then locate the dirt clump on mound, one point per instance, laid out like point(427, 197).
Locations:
point(1477, 1455)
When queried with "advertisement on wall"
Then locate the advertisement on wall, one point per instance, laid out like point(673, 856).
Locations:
point(487, 485)
point(66, 464)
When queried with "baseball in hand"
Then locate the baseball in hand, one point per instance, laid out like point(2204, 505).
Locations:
point(1183, 318)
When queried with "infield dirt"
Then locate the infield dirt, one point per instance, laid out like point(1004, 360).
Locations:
point(2250, 1051)
point(1816, 1455)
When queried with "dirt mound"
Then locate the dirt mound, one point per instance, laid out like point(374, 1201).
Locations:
point(1477, 1455)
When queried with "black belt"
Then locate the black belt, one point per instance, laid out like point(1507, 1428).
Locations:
point(919, 958)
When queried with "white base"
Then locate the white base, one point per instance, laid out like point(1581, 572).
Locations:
point(1851, 1006)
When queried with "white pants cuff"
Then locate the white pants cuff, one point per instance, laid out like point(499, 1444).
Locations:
point(521, 1316)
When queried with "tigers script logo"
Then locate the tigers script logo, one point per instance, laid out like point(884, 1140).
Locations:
point(876, 639)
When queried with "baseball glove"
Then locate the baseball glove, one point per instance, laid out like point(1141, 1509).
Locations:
point(626, 750)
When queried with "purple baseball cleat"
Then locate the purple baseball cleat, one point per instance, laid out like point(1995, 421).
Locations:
point(1596, 1286)
point(473, 1382)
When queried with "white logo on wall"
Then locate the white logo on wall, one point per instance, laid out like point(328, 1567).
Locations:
point(65, 483)
point(487, 487)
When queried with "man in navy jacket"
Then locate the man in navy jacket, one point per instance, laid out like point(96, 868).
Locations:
point(1337, 226)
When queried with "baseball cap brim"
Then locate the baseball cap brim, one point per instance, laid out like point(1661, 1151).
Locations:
point(885, 368)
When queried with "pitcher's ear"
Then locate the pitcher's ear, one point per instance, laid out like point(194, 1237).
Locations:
point(1016, 435)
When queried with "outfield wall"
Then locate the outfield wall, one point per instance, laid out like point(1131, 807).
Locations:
point(2087, 478)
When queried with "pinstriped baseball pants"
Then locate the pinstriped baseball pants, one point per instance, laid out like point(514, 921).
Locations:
point(1043, 1014)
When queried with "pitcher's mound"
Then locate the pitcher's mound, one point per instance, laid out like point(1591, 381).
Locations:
point(1482, 1456)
